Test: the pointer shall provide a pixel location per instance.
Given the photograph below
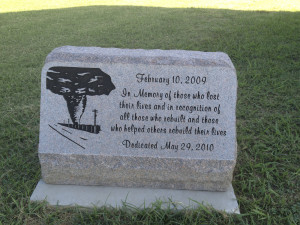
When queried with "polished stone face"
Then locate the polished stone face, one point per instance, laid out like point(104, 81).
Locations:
point(138, 118)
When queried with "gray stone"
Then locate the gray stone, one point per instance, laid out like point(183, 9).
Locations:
point(98, 196)
point(138, 118)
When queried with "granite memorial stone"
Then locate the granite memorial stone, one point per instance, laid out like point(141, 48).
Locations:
point(161, 119)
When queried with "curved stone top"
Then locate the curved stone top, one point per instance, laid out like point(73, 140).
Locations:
point(139, 56)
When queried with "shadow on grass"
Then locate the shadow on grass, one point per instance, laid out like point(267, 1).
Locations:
point(264, 47)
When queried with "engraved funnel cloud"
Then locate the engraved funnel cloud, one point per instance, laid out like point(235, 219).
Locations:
point(75, 83)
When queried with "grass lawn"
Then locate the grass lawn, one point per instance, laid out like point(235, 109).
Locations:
point(263, 45)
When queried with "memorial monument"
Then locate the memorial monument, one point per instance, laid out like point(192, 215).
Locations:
point(137, 125)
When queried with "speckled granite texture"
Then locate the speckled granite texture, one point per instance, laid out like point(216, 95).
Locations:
point(70, 154)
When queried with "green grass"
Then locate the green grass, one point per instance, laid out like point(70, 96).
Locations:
point(265, 49)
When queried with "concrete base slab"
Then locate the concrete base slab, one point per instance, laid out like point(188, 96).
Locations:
point(97, 196)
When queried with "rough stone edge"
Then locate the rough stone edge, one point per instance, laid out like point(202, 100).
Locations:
point(98, 196)
point(139, 56)
point(125, 171)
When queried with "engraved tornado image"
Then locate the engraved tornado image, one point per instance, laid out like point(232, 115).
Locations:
point(75, 84)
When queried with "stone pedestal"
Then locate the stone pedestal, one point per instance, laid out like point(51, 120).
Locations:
point(98, 196)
